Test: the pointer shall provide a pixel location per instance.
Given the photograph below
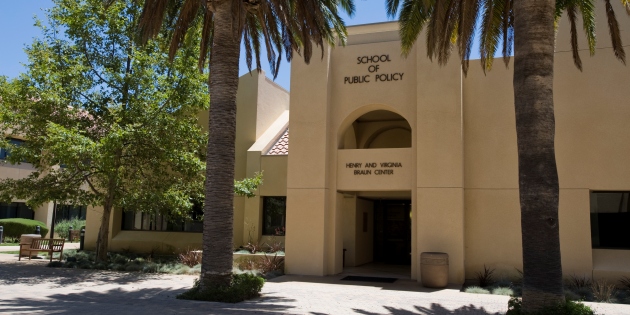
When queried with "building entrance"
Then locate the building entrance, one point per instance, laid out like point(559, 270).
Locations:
point(392, 232)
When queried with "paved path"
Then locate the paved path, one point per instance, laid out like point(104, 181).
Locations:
point(31, 288)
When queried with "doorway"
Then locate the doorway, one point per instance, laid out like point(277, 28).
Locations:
point(392, 232)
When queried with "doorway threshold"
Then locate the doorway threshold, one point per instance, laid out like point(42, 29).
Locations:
point(376, 269)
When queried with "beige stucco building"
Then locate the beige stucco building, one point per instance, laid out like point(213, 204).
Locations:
point(391, 157)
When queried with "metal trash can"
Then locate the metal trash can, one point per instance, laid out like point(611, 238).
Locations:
point(27, 239)
point(434, 269)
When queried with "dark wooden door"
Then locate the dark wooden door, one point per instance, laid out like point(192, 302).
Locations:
point(392, 238)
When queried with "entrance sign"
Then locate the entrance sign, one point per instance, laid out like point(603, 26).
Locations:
point(374, 63)
point(374, 169)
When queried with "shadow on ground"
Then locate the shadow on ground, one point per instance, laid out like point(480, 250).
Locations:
point(34, 273)
point(400, 284)
point(142, 301)
point(435, 309)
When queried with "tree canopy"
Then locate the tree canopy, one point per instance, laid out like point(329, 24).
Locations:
point(106, 122)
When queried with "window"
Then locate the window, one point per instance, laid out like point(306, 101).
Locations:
point(16, 210)
point(610, 219)
point(69, 212)
point(5, 152)
point(274, 215)
point(139, 221)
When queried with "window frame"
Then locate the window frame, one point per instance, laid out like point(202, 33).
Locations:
point(595, 220)
point(266, 230)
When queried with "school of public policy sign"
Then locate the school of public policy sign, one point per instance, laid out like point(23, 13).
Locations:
point(374, 67)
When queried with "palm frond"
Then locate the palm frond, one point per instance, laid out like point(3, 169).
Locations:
point(187, 15)
point(151, 19)
point(414, 15)
point(615, 36)
point(587, 10)
point(572, 14)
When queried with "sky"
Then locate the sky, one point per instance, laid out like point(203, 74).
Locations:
point(17, 30)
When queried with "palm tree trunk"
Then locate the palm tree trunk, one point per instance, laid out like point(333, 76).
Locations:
point(535, 129)
point(216, 266)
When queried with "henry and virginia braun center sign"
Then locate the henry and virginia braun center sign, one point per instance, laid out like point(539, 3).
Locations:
point(375, 73)
point(374, 169)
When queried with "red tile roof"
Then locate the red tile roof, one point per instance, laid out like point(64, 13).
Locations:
point(281, 147)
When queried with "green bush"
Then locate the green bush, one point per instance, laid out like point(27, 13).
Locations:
point(566, 308)
point(244, 287)
point(502, 291)
point(18, 226)
point(477, 290)
point(62, 228)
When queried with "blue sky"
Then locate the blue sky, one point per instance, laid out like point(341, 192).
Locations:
point(17, 30)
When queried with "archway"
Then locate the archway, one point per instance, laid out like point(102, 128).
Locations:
point(377, 129)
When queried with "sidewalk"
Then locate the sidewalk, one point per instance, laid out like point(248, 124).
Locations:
point(31, 288)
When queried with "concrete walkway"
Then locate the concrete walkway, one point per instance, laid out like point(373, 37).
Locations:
point(30, 288)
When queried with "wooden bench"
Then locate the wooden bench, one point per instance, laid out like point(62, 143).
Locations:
point(50, 246)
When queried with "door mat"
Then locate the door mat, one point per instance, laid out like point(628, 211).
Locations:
point(369, 279)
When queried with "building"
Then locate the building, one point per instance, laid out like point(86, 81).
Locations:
point(391, 157)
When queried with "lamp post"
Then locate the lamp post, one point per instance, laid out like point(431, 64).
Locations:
point(54, 217)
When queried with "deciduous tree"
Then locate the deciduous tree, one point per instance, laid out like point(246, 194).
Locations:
point(107, 122)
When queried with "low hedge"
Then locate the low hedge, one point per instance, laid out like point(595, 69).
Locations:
point(18, 226)
point(244, 287)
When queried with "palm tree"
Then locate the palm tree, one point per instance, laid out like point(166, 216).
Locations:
point(529, 25)
point(283, 26)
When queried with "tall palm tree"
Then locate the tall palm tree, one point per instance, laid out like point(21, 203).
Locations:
point(530, 26)
point(283, 26)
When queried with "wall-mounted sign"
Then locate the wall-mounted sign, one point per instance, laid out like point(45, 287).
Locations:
point(373, 168)
point(374, 67)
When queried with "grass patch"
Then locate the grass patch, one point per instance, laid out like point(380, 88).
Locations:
point(244, 287)
point(14, 252)
point(503, 291)
point(477, 290)
point(125, 262)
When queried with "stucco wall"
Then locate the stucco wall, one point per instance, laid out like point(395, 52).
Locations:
point(592, 139)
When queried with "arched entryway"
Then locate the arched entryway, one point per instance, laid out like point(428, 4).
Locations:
point(374, 175)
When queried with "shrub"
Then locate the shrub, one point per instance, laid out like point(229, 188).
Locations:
point(566, 308)
point(603, 291)
point(585, 293)
point(253, 247)
point(625, 282)
point(572, 296)
point(16, 227)
point(244, 287)
point(246, 264)
point(477, 290)
point(190, 257)
point(270, 263)
point(485, 278)
point(11, 239)
point(502, 291)
point(275, 247)
point(578, 282)
point(62, 228)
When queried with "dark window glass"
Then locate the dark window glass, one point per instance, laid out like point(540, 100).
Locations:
point(5, 152)
point(16, 210)
point(274, 215)
point(139, 221)
point(610, 219)
point(69, 212)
